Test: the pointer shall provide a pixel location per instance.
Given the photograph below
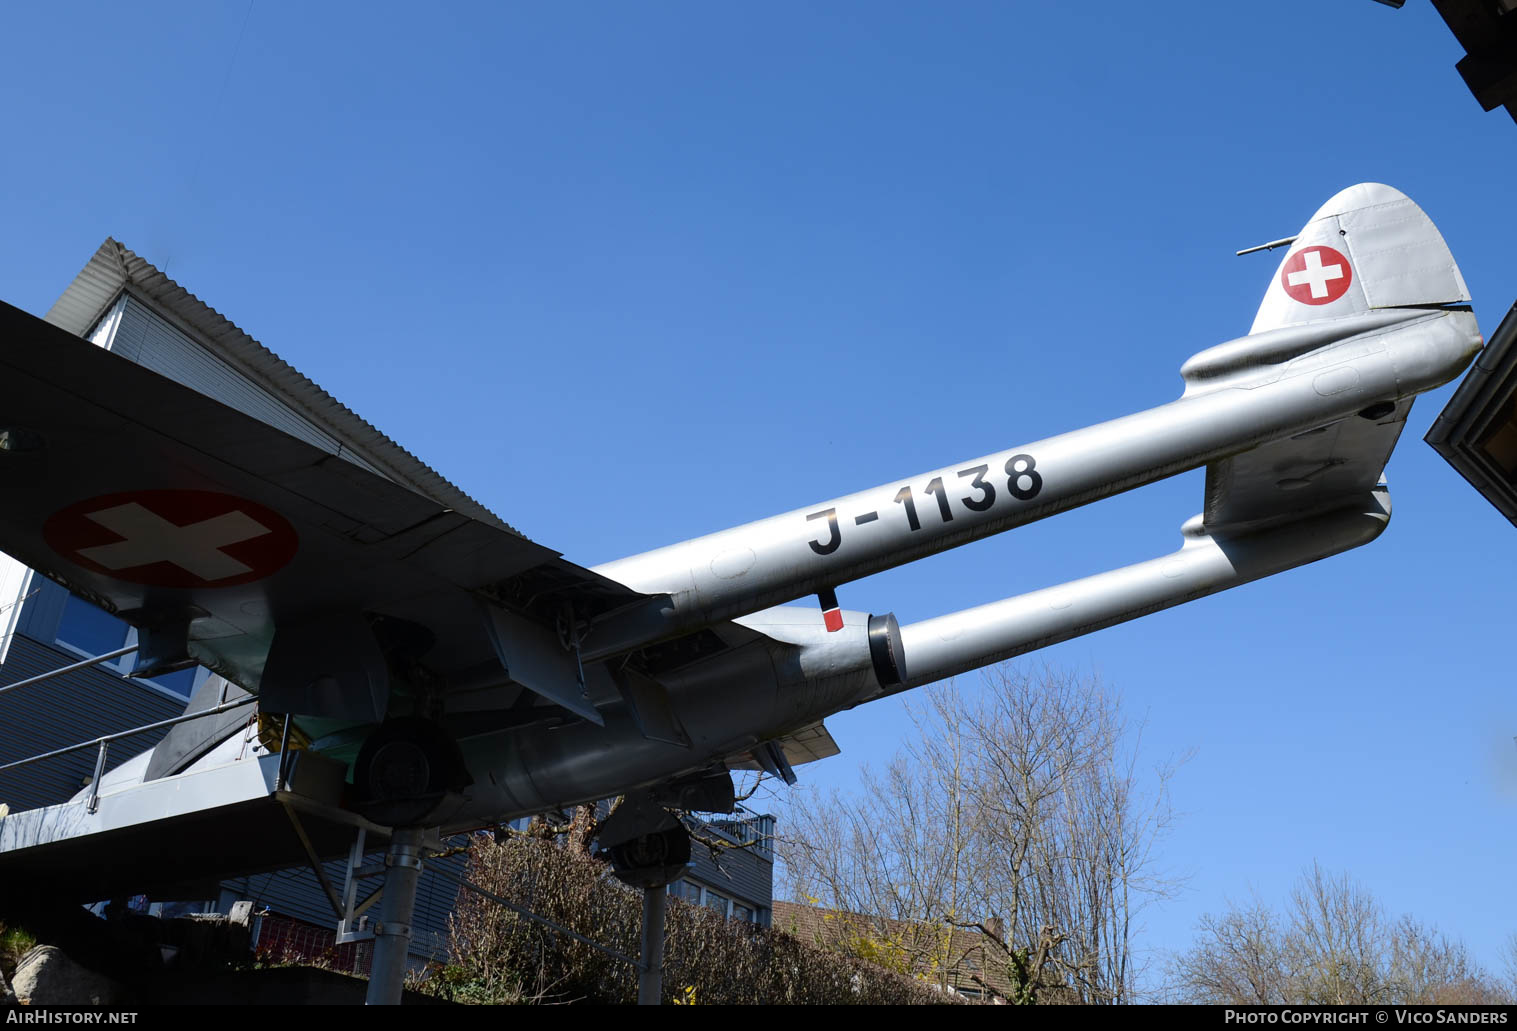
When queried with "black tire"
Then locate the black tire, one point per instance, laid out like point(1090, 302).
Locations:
point(652, 860)
point(404, 769)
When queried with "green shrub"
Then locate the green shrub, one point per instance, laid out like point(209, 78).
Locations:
point(15, 942)
point(498, 956)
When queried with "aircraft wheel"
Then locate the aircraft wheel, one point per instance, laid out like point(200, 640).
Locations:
point(652, 860)
point(404, 769)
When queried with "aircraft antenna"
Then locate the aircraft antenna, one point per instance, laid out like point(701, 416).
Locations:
point(1267, 246)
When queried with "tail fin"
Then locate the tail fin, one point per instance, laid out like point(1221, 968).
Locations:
point(1369, 247)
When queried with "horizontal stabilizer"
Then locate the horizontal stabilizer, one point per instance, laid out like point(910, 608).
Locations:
point(1310, 472)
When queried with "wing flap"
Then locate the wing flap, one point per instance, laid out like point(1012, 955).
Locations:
point(804, 746)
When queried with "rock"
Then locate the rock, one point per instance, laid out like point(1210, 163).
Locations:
point(46, 976)
point(7, 997)
point(125, 950)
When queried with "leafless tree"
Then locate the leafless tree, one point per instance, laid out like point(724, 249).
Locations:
point(1509, 965)
point(1018, 807)
point(1333, 945)
point(1238, 958)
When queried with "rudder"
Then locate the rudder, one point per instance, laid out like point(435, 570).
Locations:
point(1368, 247)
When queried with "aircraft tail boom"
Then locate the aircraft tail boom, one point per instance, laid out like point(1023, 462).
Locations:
point(1235, 402)
point(956, 643)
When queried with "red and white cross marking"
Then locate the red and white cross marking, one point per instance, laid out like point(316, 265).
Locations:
point(1316, 275)
point(173, 538)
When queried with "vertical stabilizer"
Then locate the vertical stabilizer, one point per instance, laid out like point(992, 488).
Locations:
point(1368, 247)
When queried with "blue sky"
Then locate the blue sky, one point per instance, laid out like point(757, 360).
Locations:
point(633, 273)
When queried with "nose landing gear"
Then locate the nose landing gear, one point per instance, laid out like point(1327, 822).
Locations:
point(404, 771)
point(651, 860)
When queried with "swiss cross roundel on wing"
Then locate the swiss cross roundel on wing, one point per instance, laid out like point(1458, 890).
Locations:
point(1316, 275)
point(173, 538)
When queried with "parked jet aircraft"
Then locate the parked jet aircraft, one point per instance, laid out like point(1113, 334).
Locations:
point(466, 675)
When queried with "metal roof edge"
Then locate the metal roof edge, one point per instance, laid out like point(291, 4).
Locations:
point(113, 269)
point(93, 290)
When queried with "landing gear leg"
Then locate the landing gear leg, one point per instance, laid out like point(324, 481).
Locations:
point(650, 970)
point(651, 861)
point(392, 936)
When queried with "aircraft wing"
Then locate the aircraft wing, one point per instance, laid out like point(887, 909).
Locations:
point(209, 529)
point(1310, 472)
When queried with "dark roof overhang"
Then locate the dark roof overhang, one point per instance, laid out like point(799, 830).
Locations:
point(1477, 430)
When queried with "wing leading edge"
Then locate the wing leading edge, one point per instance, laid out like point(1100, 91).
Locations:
point(219, 535)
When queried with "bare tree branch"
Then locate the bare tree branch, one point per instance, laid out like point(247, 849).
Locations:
point(1334, 945)
point(1021, 806)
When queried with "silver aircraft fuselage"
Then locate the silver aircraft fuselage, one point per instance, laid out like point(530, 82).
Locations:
point(1268, 386)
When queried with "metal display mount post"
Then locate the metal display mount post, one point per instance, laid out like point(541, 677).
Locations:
point(392, 935)
point(650, 967)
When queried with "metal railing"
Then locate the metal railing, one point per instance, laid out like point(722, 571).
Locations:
point(746, 828)
point(103, 742)
point(85, 664)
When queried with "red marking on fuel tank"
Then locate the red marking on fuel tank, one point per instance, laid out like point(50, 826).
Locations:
point(827, 597)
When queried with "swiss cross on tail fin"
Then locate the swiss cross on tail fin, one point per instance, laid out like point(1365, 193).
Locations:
point(1316, 275)
point(1368, 247)
point(1367, 262)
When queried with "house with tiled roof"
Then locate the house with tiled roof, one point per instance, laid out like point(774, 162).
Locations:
point(966, 960)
